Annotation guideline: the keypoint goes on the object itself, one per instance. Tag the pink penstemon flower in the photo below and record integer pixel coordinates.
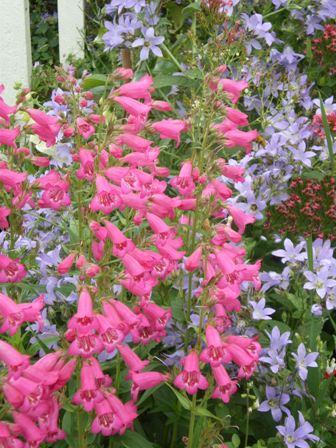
(107, 196)
(170, 129)
(89, 393)
(191, 379)
(11, 271)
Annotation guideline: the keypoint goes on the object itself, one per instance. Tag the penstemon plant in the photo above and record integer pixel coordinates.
(98, 221)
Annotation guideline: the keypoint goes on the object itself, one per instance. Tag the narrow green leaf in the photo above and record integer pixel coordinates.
(186, 404)
(309, 243)
(203, 412)
(327, 133)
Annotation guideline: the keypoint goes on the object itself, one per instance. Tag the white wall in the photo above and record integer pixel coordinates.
(15, 47)
(70, 28)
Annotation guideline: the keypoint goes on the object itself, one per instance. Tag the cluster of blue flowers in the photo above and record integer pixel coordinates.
(133, 26)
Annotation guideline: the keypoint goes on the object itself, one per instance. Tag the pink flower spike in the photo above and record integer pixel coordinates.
(191, 379)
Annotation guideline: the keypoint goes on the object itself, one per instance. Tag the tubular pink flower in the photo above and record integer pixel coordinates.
(84, 321)
(145, 381)
(193, 262)
(131, 359)
(240, 218)
(110, 335)
(121, 244)
(140, 89)
(6, 110)
(232, 88)
(134, 142)
(11, 271)
(225, 386)
(86, 169)
(191, 379)
(236, 137)
(238, 117)
(106, 421)
(107, 197)
(8, 136)
(133, 107)
(66, 264)
(46, 126)
(170, 129)
(31, 432)
(4, 213)
(215, 353)
(11, 179)
(88, 394)
(85, 129)
(158, 315)
(15, 361)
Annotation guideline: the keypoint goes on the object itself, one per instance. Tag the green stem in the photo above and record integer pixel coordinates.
(192, 247)
(247, 426)
(273, 13)
(192, 423)
(310, 253)
(172, 57)
(81, 432)
(175, 427)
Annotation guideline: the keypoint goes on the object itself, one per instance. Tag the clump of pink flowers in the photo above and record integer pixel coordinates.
(138, 229)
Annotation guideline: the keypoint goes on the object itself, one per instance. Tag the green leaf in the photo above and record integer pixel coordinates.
(203, 412)
(94, 81)
(313, 175)
(169, 80)
(148, 393)
(133, 439)
(327, 133)
(235, 441)
(177, 308)
(185, 402)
